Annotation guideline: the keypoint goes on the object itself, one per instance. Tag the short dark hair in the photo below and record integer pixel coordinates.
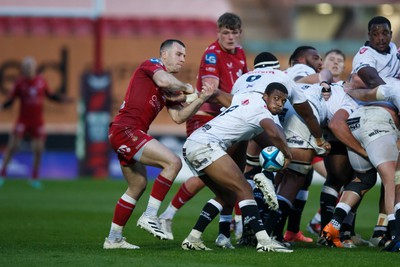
(336, 51)
(275, 86)
(378, 20)
(299, 52)
(168, 43)
(230, 21)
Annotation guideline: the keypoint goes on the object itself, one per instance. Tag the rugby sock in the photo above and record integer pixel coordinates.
(391, 226)
(397, 216)
(115, 234)
(284, 207)
(158, 192)
(275, 215)
(251, 215)
(328, 200)
(181, 197)
(169, 212)
(123, 210)
(259, 198)
(160, 188)
(381, 225)
(225, 224)
(294, 218)
(341, 211)
(35, 174)
(208, 213)
(347, 224)
(122, 213)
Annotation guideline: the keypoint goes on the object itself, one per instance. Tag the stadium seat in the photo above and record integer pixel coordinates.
(38, 26)
(17, 25)
(3, 25)
(59, 26)
(82, 26)
(146, 27)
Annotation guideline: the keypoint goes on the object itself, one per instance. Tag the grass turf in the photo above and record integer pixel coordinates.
(65, 224)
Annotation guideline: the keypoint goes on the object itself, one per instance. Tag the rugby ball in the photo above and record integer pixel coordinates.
(271, 159)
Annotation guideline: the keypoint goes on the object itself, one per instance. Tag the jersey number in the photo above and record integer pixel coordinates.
(252, 78)
(230, 109)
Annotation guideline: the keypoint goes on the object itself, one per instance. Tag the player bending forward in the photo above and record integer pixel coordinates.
(249, 116)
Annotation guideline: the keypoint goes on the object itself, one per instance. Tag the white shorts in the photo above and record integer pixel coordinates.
(299, 136)
(383, 149)
(199, 156)
(369, 123)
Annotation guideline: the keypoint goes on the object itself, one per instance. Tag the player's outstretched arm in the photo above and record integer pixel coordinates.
(363, 94)
(8, 103)
(370, 77)
(180, 114)
(167, 81)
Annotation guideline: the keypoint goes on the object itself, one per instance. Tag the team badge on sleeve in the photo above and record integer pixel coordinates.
(155, 60)
(210, 58)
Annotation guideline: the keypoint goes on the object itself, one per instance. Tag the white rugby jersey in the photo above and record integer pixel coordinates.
(258, 80)
(339, 100)
(386, 64)
(314, 97)
(240, 121)
(299, 70)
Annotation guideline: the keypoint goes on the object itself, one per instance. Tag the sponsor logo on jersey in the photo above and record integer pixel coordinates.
(362, 50)
(210, 58)
(376, 131)
(294, 140)
(245, 102)
(354, 123)
(198, 163)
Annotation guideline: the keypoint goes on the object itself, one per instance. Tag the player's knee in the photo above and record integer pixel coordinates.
(366, 181)
(175, 163)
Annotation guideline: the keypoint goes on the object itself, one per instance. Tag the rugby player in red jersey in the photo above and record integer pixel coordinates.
(31, 90)
(152, 86)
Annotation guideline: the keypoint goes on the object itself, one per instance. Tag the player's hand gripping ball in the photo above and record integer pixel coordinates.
(272, 159)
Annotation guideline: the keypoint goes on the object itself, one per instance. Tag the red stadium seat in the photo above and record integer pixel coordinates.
(38, 26)
(82, 26)
(147, 27)
(17, 25)
(59, 26)
(3, 25)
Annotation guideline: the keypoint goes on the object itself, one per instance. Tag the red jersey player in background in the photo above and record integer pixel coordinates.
(221, 64)
(31, 89)
(152, 86)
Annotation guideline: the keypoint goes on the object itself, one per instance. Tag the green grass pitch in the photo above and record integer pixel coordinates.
(65, 224)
